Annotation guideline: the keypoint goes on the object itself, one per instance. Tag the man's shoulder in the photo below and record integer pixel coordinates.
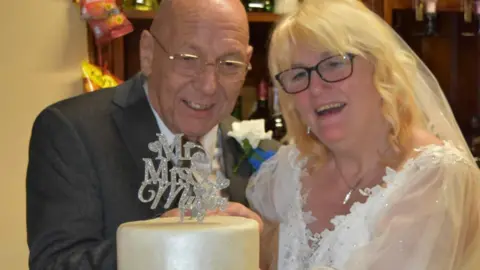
(91, 106)
(81, 108)
(85, 102)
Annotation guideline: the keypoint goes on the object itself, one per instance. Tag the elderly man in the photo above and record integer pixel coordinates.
(86, 166)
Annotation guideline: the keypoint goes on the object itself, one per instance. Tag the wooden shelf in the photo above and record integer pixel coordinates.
(262, 17)
(252, 16)
(139, 15)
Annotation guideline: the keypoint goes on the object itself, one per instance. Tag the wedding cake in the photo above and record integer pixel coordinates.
(217, 243)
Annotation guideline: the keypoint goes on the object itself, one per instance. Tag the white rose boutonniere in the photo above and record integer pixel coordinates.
(249, 134)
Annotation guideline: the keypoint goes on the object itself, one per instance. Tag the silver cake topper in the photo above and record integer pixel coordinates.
(182, 179)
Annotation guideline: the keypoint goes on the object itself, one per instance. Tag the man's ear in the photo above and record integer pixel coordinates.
(147, 48)
(249, 53)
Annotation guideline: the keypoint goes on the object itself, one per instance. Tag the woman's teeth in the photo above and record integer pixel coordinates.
(332, 107)
(197, 106)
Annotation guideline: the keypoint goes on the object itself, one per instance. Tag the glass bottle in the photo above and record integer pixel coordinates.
(141, 5)
(431, 16)
(276, 122)
(262, 110)
(259, 5)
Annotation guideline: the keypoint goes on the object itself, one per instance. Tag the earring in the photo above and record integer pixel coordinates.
(309, 130)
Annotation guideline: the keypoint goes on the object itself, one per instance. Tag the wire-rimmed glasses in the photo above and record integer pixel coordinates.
(229, 67)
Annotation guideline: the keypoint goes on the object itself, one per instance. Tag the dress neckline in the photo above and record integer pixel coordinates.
(314, 240)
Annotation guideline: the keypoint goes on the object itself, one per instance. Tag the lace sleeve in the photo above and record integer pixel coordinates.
(429, 222)
(270, 188)
(269, 192)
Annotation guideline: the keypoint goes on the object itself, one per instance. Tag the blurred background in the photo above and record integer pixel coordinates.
(49, 52)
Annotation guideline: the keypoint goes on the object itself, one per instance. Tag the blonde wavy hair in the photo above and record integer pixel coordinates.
(347, 26)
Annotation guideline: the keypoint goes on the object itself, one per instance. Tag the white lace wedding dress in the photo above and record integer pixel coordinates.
(424, 217)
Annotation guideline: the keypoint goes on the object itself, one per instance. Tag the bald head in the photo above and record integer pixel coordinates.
(171, 13)
(196, 56)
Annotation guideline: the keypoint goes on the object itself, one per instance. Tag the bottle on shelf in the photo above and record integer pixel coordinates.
(418, 4)
(426, 12)
(262, 110)
(275, 122)
(467, 6)
(140, 5)
(258, 5)
(477, 15)
(468, 25)
(431, 15)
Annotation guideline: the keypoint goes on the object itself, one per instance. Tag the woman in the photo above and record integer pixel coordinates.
(379, 177)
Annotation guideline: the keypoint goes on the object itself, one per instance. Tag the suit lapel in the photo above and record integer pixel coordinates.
(135, 122)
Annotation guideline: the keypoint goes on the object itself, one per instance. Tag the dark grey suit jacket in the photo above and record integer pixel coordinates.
(85, 168)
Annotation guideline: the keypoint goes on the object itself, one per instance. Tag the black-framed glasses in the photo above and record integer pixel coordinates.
(332, 69)
(191, 64)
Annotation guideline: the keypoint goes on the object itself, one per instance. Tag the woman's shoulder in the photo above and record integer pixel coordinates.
(289, 155)
(422, 138)
(285, 164)
(284, 152)
(428, 151)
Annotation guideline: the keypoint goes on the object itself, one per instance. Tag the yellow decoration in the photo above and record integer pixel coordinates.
(95, 79)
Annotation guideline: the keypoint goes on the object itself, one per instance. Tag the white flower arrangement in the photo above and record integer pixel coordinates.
(251, 130)
(249, 134)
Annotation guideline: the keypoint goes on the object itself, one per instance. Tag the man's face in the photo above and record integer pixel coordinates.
(196, 89)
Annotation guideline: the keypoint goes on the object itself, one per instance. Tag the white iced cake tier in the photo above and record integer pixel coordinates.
(218, 243)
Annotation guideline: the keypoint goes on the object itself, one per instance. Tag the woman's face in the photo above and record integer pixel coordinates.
(341, 111)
